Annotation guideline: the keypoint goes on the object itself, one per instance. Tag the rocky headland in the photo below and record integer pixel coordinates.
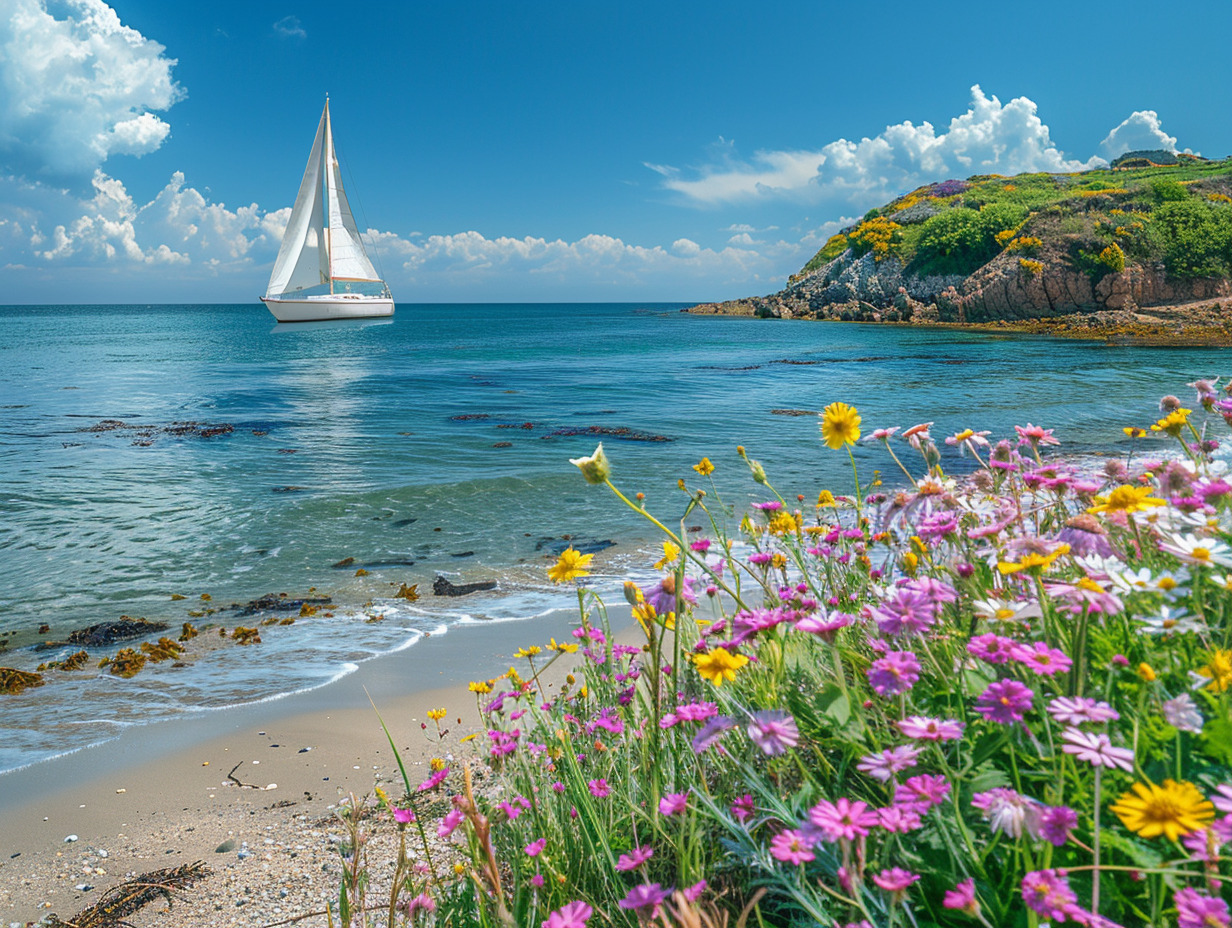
(1130, 254)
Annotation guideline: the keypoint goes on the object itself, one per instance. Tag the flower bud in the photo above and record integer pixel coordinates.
(596, 468)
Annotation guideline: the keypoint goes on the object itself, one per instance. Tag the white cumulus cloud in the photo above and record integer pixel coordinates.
(291, 28)
(74, 91)
(990, 137)
(1142, 131)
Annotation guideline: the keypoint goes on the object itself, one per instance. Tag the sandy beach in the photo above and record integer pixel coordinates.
(160, 795)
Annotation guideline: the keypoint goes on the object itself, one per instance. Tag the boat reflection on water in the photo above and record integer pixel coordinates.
(328, 324)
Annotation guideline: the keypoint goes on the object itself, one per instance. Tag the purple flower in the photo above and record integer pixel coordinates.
(599, 788)
(904, 613)
(1076, 710)
(742, 808)
(774, 732)
(1223, 798)
(1056, 823)
(894, 673)
(895, 880)
(1042, 659)
(635, 858)
(1097, 750)
(994, 649)
(674, 803)
(922, 792)
(693, 893)
(791, 847)
(1005, 701)
(646, 896)
(663, 594)
(923, 728)
(570, 915)
(1195, 910)
(535, 848)
(1047, 892)
(899, 819)
(826, 627)
(842, 819)
(711, 732)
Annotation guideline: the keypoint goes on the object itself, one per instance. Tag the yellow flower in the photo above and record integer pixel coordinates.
(1173, 810)
(704, 467)
(1126, 499)
(784, 523)
(1172, 422)
(670, 554)
(436, 764)
(645, 613)
(527, 652)
(1033, 561)
(1146, 673)
(719, 665)
(840, 425)
(471, 737)
(1134, 432)
(596, 468)
(1219, 670)
(436, 714)
(381, 795)
(553, 645)
(825, 498)
(571, 565)
(480, 686)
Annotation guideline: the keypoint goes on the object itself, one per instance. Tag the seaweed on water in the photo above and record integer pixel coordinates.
(244, 635)
(126, 663)
(14, 681)
(120, 902)
(189, 632)
(409, 593)
(72, 662)
(164, 650)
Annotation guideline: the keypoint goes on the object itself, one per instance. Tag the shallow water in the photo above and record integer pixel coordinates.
(377, 441)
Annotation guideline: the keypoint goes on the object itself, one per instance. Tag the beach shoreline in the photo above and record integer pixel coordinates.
(159, 795)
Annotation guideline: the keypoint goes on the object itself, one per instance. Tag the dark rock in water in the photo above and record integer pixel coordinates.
(555, 546)
(290, 489)
(470, 417)
(384, 565)
(279, 602)
(463, 554)
(794, 412)
(442, 587)
(503, 444)
(105, 633)
(621, 432)
(404, 522)
(345, 562)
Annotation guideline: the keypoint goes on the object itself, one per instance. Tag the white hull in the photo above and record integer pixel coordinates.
(317, 309)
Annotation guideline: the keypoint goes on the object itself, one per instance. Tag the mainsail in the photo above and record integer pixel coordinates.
(321, 249)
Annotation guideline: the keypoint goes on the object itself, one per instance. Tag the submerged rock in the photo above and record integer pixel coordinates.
(106, 633)
(280, 602)
(443, 587)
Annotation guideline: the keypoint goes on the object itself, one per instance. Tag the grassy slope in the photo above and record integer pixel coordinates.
(1179, 215)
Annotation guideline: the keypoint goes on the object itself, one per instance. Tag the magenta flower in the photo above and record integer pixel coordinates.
(1076, 710)
(962, 897)
(994, 649)
(1041, 659)
(647, 896)
(899, 819)
(673, 803)
(922, 792)
(434, 781)
(791, 847)
(1056, 823)
(570, 915)
(535, 848)
(404, 816)
(894, 673)
(1005, 701)
(825, 627)
(421, 903)
(883, 765)
(842, 819)
(711, 732)
(1097, 750)
(895, 880)
(774, 732)
(1047, 892)
(635, 858)
(453, 818)
(742, 808)
(1035, 436)
(923, 728)
(906, 612)
(694, 892)
(599, 788)
(1194, 910)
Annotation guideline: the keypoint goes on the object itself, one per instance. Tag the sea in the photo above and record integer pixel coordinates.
(175, 463)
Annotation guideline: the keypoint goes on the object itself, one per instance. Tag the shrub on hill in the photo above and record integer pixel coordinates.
(959, 241)
(1193, 238)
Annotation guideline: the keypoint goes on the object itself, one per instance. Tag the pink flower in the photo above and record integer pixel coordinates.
(693, 893)
(1075, 710)
(1097, 750)
(899, 819)
(599, 788)
(537, 881)
(434, 781)
(1222, 800)
(825, 627)
(842, 819)
(1195, 910)
(1042, 659)
(895, 880)
(648, 896)
(773, 731)
(421, 903)
(635, 858)
(1056, 823)
(742, 808)
(923, 728)
(404, 816)
(1005, 701)
(791, 847)
(962, 898)
(453, 818)
(1047, 892)
(995, 649)
(883, 765)
(535, 848)
(673, 803)
(1034, 435)
(1008, 811)
(922, 792)
(570, 915)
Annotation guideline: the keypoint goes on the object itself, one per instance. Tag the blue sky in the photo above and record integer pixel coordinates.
(150, 151)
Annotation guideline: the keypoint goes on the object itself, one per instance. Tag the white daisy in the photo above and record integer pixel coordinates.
(1192, 549)
(1182, 713)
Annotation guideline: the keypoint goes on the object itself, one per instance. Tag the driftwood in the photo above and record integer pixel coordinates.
(122, 901)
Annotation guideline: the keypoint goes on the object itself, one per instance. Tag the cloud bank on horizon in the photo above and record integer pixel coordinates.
(78, 90)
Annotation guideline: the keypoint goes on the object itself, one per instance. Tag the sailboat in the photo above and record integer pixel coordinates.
(322, 271)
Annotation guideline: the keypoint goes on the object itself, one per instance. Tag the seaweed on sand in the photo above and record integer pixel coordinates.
(14, 681)
(122, 901)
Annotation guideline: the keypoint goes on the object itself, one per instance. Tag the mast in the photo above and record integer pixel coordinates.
(328, 155)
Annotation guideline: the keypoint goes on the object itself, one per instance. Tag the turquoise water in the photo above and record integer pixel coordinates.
(377, 441)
